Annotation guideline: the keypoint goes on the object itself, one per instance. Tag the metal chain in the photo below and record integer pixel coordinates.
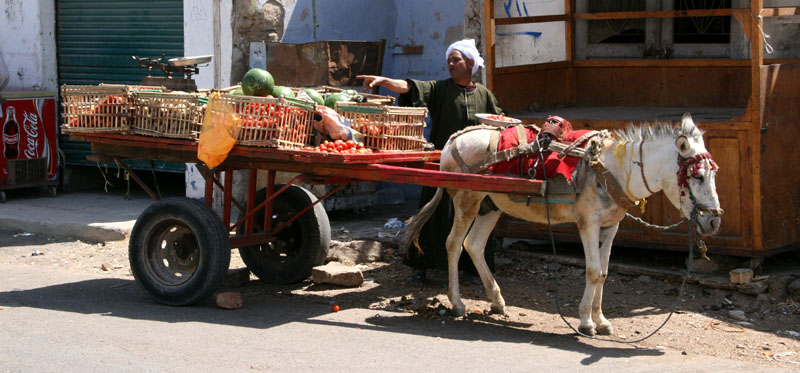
(654, 226)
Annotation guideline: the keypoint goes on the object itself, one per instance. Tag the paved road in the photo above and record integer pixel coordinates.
(57, 321)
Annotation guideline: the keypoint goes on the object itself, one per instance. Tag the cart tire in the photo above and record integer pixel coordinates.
(2, 197)
(179, 251)
(299, 247)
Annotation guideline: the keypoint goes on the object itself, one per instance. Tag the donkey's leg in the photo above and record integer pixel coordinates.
(606, 237)
(590, 233)
(475, 244)
(466, 205)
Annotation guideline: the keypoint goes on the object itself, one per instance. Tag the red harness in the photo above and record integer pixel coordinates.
(524, 166)
(692, 163)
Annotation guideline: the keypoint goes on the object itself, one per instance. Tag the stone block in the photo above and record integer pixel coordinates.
(355, 252)
(338, 274)
(230, 300)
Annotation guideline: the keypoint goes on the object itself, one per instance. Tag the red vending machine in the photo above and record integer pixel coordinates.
(28, 153)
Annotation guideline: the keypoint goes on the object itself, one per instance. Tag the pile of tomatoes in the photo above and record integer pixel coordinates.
(370, 128)
(258, 114)
(339, 147)
(109, 105)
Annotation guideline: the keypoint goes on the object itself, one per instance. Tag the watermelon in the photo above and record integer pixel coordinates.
(314, 95)
(257, 82)
(336, 97)
(280, 91)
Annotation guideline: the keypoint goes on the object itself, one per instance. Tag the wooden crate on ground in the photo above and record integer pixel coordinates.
(98, 108)
(177, 115)
(272, 122)
(387, 128)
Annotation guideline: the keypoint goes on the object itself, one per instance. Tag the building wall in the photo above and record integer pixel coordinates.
(28, 44)
(198, 39)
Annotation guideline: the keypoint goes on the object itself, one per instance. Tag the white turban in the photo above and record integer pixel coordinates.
(468, 49)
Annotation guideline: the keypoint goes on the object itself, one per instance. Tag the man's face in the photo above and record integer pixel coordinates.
(459, 66)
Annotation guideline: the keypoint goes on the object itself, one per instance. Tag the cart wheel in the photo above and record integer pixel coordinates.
(2, 197)
(52, 191)
(299, 247)
(179, 251)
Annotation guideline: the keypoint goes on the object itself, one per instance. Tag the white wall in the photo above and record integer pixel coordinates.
(198, 38)
(28, 44)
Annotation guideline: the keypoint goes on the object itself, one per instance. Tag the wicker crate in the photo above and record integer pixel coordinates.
(387, 128)
(98, 108)
(177, 115)
(272, 122)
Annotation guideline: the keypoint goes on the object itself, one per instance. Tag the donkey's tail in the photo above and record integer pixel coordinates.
(416, 222)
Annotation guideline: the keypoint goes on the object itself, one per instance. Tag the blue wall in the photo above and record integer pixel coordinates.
(432, 24)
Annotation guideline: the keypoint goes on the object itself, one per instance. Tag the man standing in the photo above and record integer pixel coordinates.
(452, 104)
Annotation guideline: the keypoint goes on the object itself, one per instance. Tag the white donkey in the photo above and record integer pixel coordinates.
(641, 160)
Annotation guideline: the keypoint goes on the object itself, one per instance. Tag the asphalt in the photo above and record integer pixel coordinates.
(94, 215)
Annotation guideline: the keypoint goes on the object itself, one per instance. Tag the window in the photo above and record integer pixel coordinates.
(683, 37)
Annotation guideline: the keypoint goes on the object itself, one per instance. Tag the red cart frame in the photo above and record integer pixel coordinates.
(185, 278)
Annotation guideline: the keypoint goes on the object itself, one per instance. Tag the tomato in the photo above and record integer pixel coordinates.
(335, 308)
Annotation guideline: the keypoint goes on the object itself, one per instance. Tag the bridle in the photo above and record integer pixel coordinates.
(688, 167)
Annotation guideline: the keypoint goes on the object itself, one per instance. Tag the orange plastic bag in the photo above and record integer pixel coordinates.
(220, 131)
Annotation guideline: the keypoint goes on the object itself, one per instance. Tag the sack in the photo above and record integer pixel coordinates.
(220, 131)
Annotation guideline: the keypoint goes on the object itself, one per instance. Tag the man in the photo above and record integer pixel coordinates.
(452, 104)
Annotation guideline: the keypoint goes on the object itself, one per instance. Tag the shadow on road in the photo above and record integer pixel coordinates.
(268, 306)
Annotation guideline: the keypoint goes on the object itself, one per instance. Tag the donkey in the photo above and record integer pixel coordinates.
(643, 160)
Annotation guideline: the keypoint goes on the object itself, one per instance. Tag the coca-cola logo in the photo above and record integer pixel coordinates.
(31, 127)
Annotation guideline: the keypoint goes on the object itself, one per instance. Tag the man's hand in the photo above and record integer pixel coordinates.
(372, 81)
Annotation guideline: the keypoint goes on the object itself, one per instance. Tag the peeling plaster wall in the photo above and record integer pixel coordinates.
(28, 44)
(365, 20)
(431, 24)
(261, 21)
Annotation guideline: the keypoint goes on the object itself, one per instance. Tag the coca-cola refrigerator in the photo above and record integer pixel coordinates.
(28, 155)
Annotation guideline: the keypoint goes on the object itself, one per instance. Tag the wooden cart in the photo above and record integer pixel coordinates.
(180, 248)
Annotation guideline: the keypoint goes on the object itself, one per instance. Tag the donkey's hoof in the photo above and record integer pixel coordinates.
(457, 311)
(586, 330)
(498, 310)
(605, 329)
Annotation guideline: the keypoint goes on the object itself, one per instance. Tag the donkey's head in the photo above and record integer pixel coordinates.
(697, 179)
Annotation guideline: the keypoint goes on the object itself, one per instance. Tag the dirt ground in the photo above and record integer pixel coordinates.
(636, 304)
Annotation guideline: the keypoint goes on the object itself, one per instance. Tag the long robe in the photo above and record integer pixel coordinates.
(452, 108)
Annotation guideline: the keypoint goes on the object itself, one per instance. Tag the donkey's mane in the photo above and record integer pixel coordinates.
(655, 131)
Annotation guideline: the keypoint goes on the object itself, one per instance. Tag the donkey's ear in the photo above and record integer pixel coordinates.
(682, 143)
(686, 122)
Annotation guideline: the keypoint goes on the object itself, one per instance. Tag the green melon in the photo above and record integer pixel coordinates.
(314, 95)
(281, 91)
(257, 82)
(238, 92)
(336, 97)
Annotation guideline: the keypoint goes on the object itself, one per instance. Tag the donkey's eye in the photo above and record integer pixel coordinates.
(699, 178)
